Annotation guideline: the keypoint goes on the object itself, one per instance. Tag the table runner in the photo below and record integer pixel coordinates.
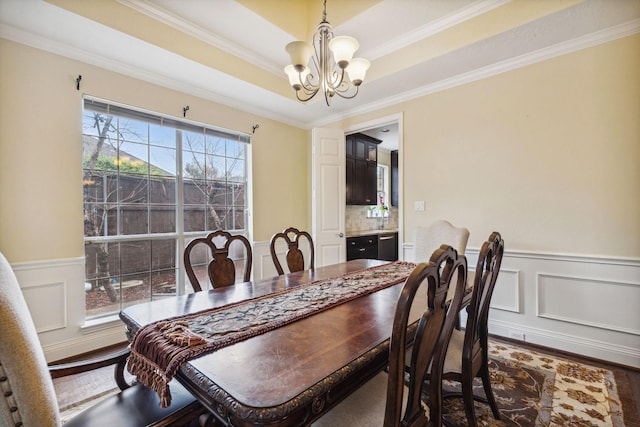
(160, 348)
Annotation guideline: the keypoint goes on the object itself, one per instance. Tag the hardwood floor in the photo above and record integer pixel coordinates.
(76, 389)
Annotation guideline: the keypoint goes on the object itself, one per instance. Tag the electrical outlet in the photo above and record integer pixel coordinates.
(516, 335)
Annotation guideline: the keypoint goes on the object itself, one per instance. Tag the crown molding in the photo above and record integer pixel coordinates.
(189, 28)
(464, 14)
(587, 41)
(590, 40)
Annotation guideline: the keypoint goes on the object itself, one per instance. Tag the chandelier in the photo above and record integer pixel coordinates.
(332, 75)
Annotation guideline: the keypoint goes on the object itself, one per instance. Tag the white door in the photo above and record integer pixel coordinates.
(328, 195)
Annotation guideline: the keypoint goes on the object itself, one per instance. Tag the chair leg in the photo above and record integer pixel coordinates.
(467, 396)
(488, 391)
(435, 402)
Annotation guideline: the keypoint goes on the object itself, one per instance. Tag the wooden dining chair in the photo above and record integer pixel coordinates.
(222, 268)
(387, 399)
(294, 257)
(467, 355)
(28, 396)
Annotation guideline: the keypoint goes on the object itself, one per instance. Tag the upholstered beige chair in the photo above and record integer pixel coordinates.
(386, 400)
(441, 232)
(28, 396)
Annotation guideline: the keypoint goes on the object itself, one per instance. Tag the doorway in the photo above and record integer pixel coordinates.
(386, 213)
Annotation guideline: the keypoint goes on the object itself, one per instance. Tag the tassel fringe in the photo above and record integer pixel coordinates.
(156, 354)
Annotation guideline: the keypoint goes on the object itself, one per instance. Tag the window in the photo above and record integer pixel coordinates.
(150, 183)
(383, 186)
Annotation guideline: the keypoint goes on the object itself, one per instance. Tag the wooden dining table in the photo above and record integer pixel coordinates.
(290, 375)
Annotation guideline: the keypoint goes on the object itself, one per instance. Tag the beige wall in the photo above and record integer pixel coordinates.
(40, 151)
(548, 154)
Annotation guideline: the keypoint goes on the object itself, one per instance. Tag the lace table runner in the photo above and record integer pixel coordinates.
(160, 348)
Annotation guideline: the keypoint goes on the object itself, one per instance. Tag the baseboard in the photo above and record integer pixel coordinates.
(555, 351)
(85, 343)
(605, 352)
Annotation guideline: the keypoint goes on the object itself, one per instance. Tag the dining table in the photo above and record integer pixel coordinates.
(289, 365)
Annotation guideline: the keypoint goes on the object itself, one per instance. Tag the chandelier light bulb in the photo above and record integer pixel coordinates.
(357, 70)
(343, 48)
(299, 52)
(294, 79)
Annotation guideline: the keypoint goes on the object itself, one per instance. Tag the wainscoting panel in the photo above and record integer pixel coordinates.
(41, 298)
(54, 291)
(506, 295)
(605, 304)
(581, 304)
(262, 262)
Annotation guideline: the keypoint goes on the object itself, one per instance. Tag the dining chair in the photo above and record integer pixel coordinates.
(388, 399)
(440, 232)
(294, 256)
(28, 394)
(222, 268)
(467, 354)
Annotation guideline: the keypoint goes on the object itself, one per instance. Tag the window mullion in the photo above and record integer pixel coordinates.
(180, 243)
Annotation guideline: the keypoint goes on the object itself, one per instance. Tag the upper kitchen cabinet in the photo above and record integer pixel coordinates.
(362, 169)
(394, 178)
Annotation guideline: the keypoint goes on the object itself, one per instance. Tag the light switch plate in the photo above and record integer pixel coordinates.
(420, 206)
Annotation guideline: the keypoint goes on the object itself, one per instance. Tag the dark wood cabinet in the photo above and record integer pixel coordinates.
(394, 178)
(363, 247)
(382, 246)
(362, 169)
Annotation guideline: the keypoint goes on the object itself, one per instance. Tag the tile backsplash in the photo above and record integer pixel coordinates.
(356, 219)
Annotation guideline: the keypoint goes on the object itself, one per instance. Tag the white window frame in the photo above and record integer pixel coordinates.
(179, 235)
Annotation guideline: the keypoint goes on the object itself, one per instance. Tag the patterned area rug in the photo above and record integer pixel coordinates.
(532, 389)
(535, 389)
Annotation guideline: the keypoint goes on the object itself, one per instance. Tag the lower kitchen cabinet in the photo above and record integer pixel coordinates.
(373, 246)
(363, 247)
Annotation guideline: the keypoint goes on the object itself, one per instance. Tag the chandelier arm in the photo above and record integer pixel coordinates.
(336, 81)
(308, 95)
(341, 94)
(307, 84)
(309, 90)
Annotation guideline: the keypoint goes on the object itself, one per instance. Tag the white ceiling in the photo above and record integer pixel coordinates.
(416, 46)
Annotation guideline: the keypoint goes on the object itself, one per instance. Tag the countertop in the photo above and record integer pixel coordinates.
(358, 233)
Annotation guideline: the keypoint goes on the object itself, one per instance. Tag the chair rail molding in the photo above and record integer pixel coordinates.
(535, 299)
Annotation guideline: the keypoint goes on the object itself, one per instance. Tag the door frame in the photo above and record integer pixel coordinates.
(380, 122)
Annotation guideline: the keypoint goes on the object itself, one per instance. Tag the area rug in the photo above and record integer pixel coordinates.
(536, 389)
(532, 388)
